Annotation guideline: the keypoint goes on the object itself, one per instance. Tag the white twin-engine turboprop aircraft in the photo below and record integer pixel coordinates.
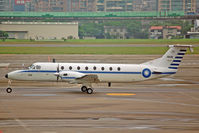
(87, 74)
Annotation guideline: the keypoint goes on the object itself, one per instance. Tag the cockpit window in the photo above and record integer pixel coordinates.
(32, 67)
(38, 67)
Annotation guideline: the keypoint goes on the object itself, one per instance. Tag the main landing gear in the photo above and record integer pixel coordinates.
(9, 90)
(87, 90)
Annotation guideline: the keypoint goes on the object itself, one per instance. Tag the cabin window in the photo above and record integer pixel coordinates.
(94, 68)
(110, 68)
(78, 68)
(62, 67)
(118, 68)
(102, 68)
(70, 68)
(86, 68)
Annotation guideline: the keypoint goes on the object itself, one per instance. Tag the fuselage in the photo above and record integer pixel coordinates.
(105, 72)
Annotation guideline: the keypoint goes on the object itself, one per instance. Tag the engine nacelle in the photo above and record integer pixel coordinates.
(70, 75)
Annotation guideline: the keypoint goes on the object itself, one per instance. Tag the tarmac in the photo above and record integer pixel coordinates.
(167, 105)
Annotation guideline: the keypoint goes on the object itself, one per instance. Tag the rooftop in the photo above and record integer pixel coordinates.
(56, 23)
(167, 27)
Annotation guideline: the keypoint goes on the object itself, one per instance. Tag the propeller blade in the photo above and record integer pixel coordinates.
(58, 72)
(58, 68)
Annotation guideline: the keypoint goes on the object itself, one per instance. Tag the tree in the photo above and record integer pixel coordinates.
(91, 30)
(3, 35)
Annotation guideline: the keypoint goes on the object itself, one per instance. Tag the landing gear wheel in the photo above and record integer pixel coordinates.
(8, 90)
(84, 89)
(89, 91)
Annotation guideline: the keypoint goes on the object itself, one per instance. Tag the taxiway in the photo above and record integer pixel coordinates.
(158, 106)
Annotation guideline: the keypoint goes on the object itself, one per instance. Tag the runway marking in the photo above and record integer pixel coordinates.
(22, 124)
(39, 95)
(48, 132)
(174, 103)
(187, 95)
(120, 94)
(4, 64)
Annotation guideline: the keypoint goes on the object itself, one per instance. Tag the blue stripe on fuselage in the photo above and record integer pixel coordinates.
(68, 78)
(92, 72)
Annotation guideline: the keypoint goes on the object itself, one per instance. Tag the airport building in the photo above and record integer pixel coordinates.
(116, 32)
(40, 30)
(164, 32)
(194, 33)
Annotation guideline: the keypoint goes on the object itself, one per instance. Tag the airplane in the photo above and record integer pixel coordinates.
(87, 74)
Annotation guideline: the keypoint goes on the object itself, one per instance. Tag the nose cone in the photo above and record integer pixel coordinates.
(6, 76)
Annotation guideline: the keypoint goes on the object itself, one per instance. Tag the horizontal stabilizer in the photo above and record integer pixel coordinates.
(183, 46)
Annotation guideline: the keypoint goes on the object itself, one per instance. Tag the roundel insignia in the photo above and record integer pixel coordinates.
(146, 73)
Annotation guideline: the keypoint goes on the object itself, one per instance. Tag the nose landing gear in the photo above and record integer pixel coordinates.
(9, 90)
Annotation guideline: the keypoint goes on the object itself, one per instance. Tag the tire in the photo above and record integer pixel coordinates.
(89, 91)
(84, 89)
(9, 90)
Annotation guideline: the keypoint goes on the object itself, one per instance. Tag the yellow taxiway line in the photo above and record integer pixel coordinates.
(120, 94)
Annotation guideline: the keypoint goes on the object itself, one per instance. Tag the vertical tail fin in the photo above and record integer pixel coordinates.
(172, 58)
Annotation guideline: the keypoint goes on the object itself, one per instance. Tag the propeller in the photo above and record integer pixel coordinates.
(57, 73)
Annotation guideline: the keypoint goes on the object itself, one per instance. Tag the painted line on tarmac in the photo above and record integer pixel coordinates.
(22, 124)
(120, 94)
(39, 95)
(162, 102)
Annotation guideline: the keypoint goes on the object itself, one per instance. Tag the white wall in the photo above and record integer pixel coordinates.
(43, 30)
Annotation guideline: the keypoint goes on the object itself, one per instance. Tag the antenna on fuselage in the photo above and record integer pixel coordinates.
(54, 60)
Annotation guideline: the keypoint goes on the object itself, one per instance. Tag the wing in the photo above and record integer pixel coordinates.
(88, 79)
(77, 77)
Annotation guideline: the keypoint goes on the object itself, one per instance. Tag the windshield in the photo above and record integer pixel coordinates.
(31, 67)
(34, 67)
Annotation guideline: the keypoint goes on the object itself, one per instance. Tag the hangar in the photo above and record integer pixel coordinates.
(40, 30)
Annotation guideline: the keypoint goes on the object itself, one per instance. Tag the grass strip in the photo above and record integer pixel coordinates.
(87, 50)
(105, 41)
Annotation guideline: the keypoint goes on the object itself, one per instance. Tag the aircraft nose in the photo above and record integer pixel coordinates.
(6, 76)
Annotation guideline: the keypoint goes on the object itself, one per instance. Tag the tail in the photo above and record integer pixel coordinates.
(172, 58)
